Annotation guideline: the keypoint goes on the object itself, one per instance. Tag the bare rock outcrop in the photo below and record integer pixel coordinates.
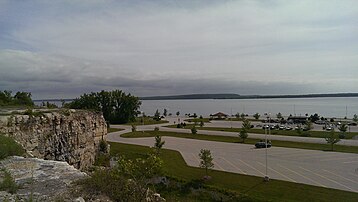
(41, 180)
(73, 136)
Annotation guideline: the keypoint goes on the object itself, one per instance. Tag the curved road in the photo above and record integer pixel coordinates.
(326, 169)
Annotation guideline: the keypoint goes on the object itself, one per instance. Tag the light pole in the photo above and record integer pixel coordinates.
(266, 178)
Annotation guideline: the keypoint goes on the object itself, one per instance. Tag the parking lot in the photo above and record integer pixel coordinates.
(319, 168)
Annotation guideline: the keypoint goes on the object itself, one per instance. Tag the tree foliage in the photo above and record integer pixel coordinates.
(117, 107)
(257, 116)
(158, 144)
(206, 160)
(19, 99)
(246, 126)
(332, 139)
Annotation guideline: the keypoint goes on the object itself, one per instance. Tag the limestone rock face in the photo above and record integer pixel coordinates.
(71, 136)
(45, 180)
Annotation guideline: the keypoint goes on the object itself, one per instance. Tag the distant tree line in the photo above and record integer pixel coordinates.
(19, 99)
(117, 107)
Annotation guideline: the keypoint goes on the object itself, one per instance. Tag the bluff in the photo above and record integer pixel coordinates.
(73, 136)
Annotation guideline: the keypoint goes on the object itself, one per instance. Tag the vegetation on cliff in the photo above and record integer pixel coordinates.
(117, 106)
(19, 99)
(8, 147)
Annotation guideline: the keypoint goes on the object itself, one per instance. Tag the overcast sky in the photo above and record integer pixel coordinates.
(61, 49)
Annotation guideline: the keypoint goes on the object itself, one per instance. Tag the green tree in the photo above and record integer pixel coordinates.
(156, 115)
(206, 160)
(279, 115)
(165, 111)
(178, 113)
(257, 116)
(117, 107)
(332, 138)
(194, 131)
(343, 129)
(242, 115)
(246, 126)
(237, 115)
(355, 118)
(158, 144)
(201, 123)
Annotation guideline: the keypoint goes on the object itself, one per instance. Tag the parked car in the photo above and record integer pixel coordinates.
(262, 144)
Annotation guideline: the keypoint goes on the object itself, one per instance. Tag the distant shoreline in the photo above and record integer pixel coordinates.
(224, 96)
(236, 96)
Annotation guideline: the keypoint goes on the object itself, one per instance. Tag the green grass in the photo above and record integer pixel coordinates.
(8, 147)
(147, 121)
(254, 187)
(219, 138)
(319, 134)
(111, 130)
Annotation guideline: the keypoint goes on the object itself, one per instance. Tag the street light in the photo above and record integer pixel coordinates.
(267, 178)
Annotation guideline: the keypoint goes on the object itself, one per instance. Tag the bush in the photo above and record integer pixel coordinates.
(342, 136)
(179, 125)
(103, 146)
(8, 147)
(194, 130)
(156, 129)
(8, 183)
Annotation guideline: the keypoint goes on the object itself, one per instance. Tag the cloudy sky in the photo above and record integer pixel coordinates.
(61, 49)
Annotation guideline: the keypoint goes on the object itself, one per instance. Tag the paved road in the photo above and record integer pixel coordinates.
(325, 169)
(235, 134)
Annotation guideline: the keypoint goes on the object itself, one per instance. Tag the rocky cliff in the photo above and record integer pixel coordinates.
(63, 135)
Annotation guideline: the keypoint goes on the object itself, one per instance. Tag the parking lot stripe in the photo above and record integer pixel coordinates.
(216, 164)
(303, 176)
(241, 171)
(351, 162)
(195, 157)
(251, 167)
(278, 173)
(342, 158)
(340, 176)
(329, 179)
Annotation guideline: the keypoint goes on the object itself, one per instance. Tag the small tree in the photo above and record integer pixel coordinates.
(195, 115)
(355, 118)
(134, 128)
(157, 116)
(246, 126)
(237, 115)
(201, 123)
(206, 160)
(343, 129)
(332, 139)
(243, 135)
(257, 116)
(165, 112)
(156, 129)
(178, 113)
(194, 130)
(242, 115)
(279, 115)
(158, 144)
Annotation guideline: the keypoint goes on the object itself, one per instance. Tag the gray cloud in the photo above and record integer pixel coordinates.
(174, 47)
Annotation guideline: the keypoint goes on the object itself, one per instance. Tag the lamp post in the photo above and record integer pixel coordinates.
(266, 178)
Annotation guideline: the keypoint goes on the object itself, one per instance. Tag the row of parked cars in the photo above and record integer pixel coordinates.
(273, 127)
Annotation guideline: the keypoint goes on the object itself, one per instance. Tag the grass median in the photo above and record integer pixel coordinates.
(319, 134)
(219, 138)
(147, 121)
(254, 187)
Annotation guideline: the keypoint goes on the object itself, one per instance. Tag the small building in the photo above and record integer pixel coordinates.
(218, 115)
(297, 119)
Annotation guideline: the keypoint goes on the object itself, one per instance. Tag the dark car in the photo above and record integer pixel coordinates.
(262, 144)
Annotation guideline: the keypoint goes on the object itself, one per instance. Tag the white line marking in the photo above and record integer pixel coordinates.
(341, 176)
(241, 171)
(195, 158)
(251, 167)
(216, 164)
(278, 173)
(303, 176)
(329, 179)
(351, 162)
(342, 158)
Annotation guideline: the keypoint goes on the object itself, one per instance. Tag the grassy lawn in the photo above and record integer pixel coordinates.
(147, 121)
(111, 130)
(254, 187)
(205, 120)
(319, 134)
(219, 138)
(8, 147)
